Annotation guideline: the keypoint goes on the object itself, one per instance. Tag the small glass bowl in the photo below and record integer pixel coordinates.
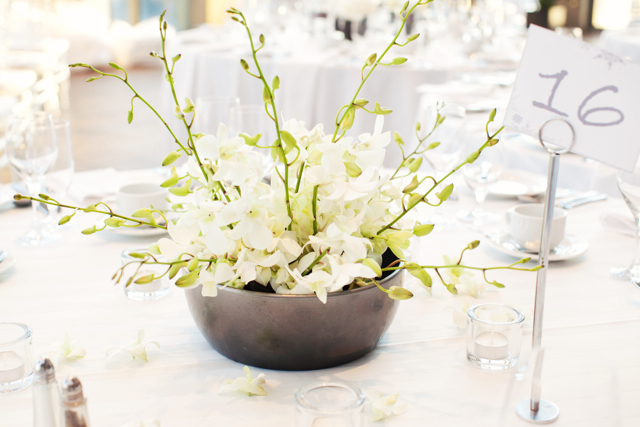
(150, 291)
(329, 404)
(16, 358)
(494, 336)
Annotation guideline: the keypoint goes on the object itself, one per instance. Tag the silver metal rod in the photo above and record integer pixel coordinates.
(541, 279)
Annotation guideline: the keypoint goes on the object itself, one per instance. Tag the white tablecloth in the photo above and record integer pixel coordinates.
(66, 287)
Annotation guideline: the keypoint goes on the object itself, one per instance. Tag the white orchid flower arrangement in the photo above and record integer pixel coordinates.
(323, 222)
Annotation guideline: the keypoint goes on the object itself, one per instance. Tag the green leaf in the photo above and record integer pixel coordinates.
(115, 66)
(172, 180)
(412, 185)
(276, 83)
(171, 157)
(129, 116)
(371, 59)
(289, 141)
(445, 193)
(144, 213)
(415, 165)
(144, 279)
(181, 191)
(397, 138)
(251, 140)
(419, 273)
(353, 170)
(398, 293)
(373, 266)
(381, 111)
(421, 230)
(399, 61)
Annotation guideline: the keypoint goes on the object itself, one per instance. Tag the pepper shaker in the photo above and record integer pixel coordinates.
(74, 411)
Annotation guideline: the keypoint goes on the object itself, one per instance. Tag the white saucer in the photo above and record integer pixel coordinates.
(514, 183)
(8, 262)
(142, 231)
(570, 247)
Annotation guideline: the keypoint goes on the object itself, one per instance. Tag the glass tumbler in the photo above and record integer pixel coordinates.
(329, 404)
(16, 359)
(150, 291)
(494, 336)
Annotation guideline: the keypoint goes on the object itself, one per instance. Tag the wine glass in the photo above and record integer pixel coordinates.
(213, 110)
(629, 185)
(480, 176)
(58, 180)
(32, 149)
(251, 119)
(443, 158)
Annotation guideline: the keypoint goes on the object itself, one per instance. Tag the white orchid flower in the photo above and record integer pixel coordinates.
(136, 348)
(385, 406)
(184, 240)
(470, 285)
(460, 313)
(247, 384)
(67, 349)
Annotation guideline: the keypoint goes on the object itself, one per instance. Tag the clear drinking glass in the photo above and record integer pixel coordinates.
(32, 149)
(16, 358)
(213, 110)
(150, 291)
(329, 404)
(494, 336)
(480, 176)
(58, 180)
(249, 119)
(450, 135)
(629, 185)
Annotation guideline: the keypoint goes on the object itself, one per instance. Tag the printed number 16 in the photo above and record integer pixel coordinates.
(581, 115)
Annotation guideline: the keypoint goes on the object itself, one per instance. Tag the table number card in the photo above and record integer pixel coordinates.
(596, 91)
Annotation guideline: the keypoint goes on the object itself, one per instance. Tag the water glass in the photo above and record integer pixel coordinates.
(494, 336)
(480, 176)
(32, 149)
(16, 358)
(629, 185)
(150, 291)
(329, 404)
(58, 180)
(211, 111)
(450, 135)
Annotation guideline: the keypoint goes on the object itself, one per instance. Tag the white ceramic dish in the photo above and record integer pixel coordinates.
(514, 183)
(569, 248)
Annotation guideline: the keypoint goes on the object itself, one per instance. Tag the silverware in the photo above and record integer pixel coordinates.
(3, 254)
(570, 205)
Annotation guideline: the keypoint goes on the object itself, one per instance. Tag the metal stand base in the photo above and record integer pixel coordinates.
(546, 414)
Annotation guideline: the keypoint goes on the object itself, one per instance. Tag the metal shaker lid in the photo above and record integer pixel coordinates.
(72, 390)
(44, 371)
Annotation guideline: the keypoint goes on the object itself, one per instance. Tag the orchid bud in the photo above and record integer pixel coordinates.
(381, 111)
(353, 170)
(415, 165)
(445, 193)
(176, 58)
(144, 279)
(190, 107)
(129, 116)
(244, 64)
(493, 142)
(276, 83)
(172, 180)
(251, 140)
(471, 246)
(421, 230)
(397, 138)
(398, 293)
(192, 264)
(371, 59)
(374, 266)
(399, 61)
(171, 157)
(492, 115)
(473, 157)
(154, 249)
(178, 113)
(411, 186)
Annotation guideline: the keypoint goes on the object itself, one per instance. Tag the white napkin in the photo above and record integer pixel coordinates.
(95, 185)
(618, 223)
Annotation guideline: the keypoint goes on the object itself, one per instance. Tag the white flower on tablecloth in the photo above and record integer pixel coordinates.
(385, 406)
(136, 348)
(471, 286)
(66, 349)
(247, 384)
(460, 313)
(143, 423)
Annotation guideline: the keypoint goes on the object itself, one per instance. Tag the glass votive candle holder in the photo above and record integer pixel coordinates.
(149, 291)
(329, 404)
(494, 336)
(16, 359)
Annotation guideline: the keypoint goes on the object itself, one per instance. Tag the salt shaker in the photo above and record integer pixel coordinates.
(46, 397)
(74, 411)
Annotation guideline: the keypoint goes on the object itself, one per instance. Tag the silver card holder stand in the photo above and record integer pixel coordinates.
(535, 409)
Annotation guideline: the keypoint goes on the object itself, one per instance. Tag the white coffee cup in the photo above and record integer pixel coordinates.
(132, 197)
(525, 223)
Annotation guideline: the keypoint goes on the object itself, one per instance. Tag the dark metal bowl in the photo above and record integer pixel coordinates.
(294, 332)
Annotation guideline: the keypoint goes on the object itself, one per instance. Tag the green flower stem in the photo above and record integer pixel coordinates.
(274, 118)
(485, 145)
(315, 261)
(375, 65)
(433, 267)
(315, 208)
(379, 287)
(87, 210)
(299, 177)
